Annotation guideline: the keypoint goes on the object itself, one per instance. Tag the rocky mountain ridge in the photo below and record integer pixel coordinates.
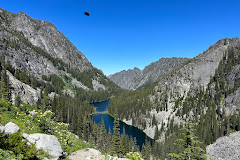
(162, 100)
(39, 49)
(136, 78)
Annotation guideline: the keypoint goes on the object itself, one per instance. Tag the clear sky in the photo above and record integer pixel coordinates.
(123, 34)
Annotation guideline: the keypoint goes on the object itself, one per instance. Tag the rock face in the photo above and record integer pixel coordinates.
(49, 143)
(136, 78)
(11, 128)
(46, 36)
(26, 93)
(90, 153)
(225, 148)
(37, 48)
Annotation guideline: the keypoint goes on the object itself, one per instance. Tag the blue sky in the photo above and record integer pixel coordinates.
(123, 34)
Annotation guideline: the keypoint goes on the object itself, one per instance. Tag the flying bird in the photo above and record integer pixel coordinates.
(87, 13)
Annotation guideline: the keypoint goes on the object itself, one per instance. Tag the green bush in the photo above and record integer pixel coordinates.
(42, 154)
(7, 155)
(134, 156)
(5, 106)
(16, 144)
(1, 118)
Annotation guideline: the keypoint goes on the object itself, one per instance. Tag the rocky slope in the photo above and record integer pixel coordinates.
(136, 78)
(164, 99)
(225, 148)
(39, 49)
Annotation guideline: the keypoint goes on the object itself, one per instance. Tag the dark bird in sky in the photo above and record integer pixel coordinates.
(87, 13)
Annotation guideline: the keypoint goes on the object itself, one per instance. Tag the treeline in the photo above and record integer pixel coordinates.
(76, 111)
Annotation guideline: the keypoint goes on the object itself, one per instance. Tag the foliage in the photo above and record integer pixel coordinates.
(9, 155)
(41, 154)
(116, 142)
(134, 156)
(19, 147)
(190, 143)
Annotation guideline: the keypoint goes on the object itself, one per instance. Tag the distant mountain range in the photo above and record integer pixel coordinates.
(133, 79)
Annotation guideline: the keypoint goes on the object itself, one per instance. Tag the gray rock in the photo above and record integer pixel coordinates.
(25, 135)
(49, 143)
(1, 128)
(136, 78)
(227, 147)
(26, 93)
(90, 153)
(11, 128)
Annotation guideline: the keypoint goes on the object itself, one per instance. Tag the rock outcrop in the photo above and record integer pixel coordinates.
(26, 93)
(10, 128)
(227, 147)
(136, 78)
(90, 153)
(49, 143)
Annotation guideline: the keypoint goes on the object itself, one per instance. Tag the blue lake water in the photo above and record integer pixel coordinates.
(131, 131)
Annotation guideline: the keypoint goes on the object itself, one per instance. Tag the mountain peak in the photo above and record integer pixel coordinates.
(135, 78)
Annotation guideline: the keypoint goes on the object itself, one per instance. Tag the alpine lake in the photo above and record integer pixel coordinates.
(131, 131)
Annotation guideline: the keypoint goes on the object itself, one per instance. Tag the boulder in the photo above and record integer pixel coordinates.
(1, 128)
(11, 128)
(227, 147)
(49, 143)
(25, 135)
(85, 154)
(91, 154)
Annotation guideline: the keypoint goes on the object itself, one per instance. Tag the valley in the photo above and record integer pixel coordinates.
(170, 100)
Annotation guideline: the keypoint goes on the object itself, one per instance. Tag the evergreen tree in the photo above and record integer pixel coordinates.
(116, 136)
(109, 140)
(146, 150)
(123, 144)
(4, 85)
(190, 145)
(102, 136)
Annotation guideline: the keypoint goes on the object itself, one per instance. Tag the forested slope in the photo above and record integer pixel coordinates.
(36, 48)
(204, 90)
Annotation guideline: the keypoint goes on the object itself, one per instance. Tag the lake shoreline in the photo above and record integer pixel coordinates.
(130, 130)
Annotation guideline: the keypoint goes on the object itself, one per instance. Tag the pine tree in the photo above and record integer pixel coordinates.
(123, 144)
(156, 135)
(190, 144)
(146, 150)
(116, 136)
(94, 133)
(109, 140)
(102, 136)
(4, 85)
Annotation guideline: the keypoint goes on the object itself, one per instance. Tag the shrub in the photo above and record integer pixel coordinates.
(1, 118)
(16, 144)
(134, 156)
(7, 155)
